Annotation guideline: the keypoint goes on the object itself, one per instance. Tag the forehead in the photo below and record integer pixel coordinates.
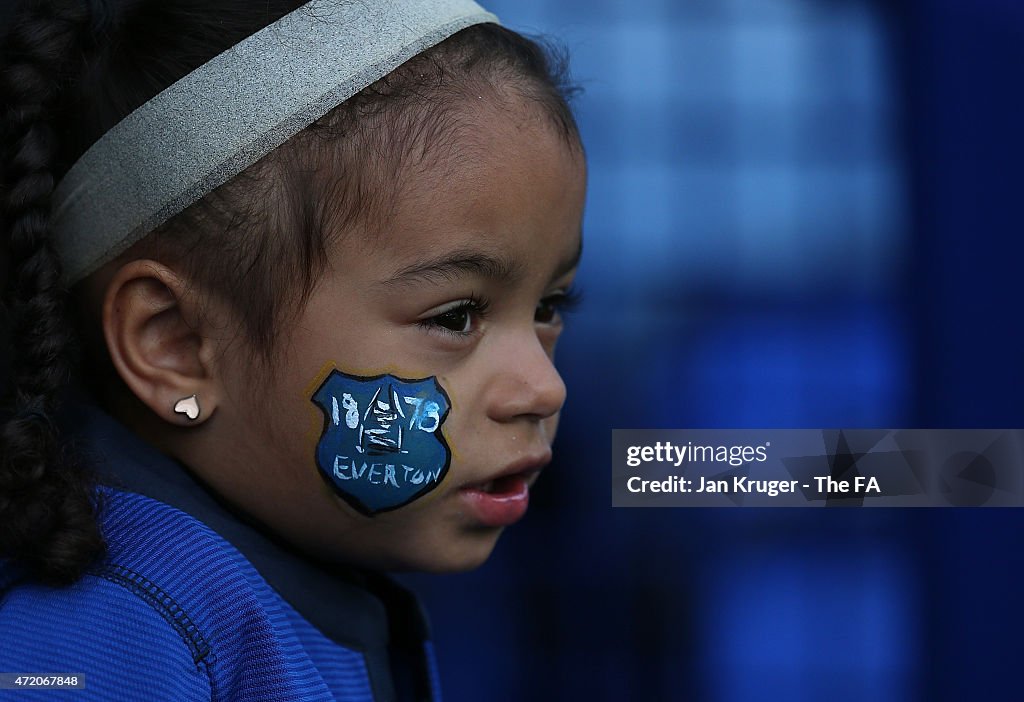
(506, 184)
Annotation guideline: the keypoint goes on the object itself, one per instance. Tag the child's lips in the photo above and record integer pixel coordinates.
(498, 503)
(503, 499)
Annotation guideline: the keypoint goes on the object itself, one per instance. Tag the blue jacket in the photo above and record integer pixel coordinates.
(192, 602)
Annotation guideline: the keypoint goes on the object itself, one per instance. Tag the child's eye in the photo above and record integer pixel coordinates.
(458, 318)
(551, 308)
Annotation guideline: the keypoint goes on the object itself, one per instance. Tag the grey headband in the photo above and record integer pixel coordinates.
(233, 110)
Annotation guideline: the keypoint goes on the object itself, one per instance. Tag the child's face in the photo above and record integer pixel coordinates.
(460, 286)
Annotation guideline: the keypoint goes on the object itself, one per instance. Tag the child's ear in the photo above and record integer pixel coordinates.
(157, 336)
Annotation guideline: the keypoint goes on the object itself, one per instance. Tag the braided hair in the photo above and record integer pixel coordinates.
(70, 71)
(46, 515)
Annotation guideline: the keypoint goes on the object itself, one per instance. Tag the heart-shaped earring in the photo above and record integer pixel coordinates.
(188, 406)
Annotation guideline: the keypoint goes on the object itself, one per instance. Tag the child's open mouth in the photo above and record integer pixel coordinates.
(501, 501)
(503, 486)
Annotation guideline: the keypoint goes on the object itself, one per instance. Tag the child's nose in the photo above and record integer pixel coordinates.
(528, 384)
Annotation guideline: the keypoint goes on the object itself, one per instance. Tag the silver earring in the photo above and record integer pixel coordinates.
(188, 406)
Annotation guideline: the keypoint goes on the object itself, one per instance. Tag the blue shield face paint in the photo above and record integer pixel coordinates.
(382, 445)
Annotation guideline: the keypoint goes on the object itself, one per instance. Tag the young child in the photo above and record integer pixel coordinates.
(317, 257)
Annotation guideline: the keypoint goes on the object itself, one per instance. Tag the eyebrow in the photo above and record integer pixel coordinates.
(453, 264)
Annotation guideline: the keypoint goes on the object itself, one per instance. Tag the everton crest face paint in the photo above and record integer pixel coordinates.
(382, 445)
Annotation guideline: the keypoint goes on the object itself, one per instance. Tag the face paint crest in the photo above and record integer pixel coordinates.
(382, 446)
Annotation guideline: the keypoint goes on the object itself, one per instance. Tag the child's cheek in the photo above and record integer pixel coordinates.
(381, 445)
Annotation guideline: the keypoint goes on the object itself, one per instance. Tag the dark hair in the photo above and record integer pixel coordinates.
(71, 70)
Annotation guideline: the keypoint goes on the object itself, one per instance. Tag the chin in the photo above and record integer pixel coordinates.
(459, 554)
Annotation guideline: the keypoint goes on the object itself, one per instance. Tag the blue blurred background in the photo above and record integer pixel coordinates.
(801, 214)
